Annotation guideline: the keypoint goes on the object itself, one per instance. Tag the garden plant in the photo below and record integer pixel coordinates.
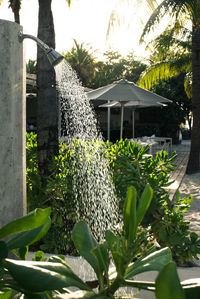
(52, 279)
(163, 221)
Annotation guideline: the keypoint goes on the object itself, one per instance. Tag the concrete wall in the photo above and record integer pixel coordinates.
(12, 124)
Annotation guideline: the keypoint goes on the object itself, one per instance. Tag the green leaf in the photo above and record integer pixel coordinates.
(85, 243)
(130, 226)
(101, 253)
(29, 237)
(65, 269)
(32, 220)
(153, 262)
(6, 295)
(112, 241)
(168, 284)
(23, 251)
(3, 250)
(43, 276)
(143, 285)
(191, 288)
(144, 203)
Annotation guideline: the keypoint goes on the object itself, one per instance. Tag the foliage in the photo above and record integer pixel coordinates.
(187, 10)
(116, 67)
(51, 279)
(129, 167)
(83, 63)
(57, 194)
(172, 231)
(176, 113)
(168, 74)
(18, 235)
(132, 168)
(42, 278)
(31, 67)
(94, 73)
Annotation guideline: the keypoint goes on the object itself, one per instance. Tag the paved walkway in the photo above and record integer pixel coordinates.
(181, 161)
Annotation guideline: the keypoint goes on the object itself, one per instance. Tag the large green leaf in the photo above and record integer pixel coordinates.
(114, 246)
(130, 214)
(32, 220)
(85, 244)
(29, 237)
(191, 288)
(43, 276)
(144, 203)
(66, 270)
(143, 285)
(153, 262)
(101, 253)
(168, 284)
(3, 250)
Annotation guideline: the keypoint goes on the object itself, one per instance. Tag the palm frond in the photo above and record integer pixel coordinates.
(188, 85)
(15, 5)
(119, 16)
(164, 71)
(68, 2)
(166, 7)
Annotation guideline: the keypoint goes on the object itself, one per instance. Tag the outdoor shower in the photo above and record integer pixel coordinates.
(13, 118)
(53, 56)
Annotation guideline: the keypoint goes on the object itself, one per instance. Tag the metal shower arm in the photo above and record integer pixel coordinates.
(53, 56)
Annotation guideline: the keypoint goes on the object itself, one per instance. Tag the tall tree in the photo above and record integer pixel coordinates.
(47, 110)
(82, 60)
(187, 9)
(15, 5)
(170, 58)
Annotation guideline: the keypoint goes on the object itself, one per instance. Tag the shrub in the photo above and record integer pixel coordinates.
(71, 193)
(132, 168)
(172, 231)
(53, 278)
(129, 167)
(57, 195)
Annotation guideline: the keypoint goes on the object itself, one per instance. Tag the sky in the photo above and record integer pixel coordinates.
(87, 22)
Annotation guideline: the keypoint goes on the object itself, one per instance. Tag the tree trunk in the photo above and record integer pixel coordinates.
(194, 158)
(17, 17)
(47, 108)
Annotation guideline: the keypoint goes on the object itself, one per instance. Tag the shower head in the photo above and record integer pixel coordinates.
(53, 56)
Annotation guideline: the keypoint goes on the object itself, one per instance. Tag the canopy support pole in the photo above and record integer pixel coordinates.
(108, 124)
(122, 120)
(133, 122)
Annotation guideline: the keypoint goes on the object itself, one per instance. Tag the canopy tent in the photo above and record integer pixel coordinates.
(123, 94)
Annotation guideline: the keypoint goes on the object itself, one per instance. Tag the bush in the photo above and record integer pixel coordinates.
(129, 167)
(54, 278)
(57, 194)
(74, 191)
(132, 168)
(172, 231)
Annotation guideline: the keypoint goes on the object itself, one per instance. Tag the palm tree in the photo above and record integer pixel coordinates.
(15, 5)
(171, 57)
(187, 9)
(47, 109)
(83, 62)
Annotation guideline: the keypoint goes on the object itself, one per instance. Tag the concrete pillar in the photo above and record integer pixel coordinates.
(12, 124)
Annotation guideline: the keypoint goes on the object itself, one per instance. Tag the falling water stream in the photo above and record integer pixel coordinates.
(94, 192)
